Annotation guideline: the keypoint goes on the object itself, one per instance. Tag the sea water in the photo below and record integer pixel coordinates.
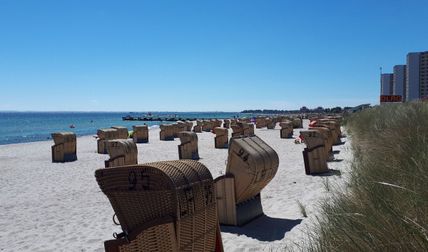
(20, 127)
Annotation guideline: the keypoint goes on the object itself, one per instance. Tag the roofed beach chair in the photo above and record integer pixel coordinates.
(103, 136)
(297, 123)
(166, 132)
(207, 125)
(217, 123)
(286, 129)
(243, 129)
(140, 133)
(328, 140)
(226, 123)
(270, 123)
(221, 140)
(198, 127)
(162, 206)
(122, 152)
(122, 132)
(334, 125)
(251, 165)
(179, 127)
(260, 122)
(314, 156)
(188, 149)
(189, 125)
(64, 148)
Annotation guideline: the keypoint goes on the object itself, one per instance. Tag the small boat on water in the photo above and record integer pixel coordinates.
(72, 126)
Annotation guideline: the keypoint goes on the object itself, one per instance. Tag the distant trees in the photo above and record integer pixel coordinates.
(303, 109)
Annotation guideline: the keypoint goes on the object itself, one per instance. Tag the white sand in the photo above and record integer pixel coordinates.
(48, 206)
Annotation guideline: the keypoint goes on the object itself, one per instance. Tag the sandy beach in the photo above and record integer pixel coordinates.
(47, 206)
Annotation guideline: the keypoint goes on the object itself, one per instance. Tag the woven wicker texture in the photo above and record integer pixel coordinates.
(221, 139)
(312, 138)
(188, 149)
(166, 132)
(122, 152)
(107, 134)
(122, 132)
(286, 129)
(226, 123)
(253, 164)
(64, 148)
(207, 125)
(140, 133)
(147, 240)
(180, 189)
(297, 123)
(189, 125)
(314, 155)
(67, 139)
(270, 123)
(260, 122)
(328, 138)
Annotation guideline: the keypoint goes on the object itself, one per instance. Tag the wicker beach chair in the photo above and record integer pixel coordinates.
(104, 135)
(251, 165)
(122, 132)
(260, 122)
(198, 127)
(334, 125)
(64, 148)
(270, 123)
(179, 127)
(188, 149)
(216, 123)
(297, 123)
(122, 152)
(286, 129)
(314, 156)
(189, 125)
(162, 206)
(226, 123)
(243, 129)
(166, 132)
(221, 140)
(207, 125)
(327, 134)
(140, 133)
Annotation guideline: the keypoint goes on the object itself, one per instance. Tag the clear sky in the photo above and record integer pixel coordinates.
(201, 55)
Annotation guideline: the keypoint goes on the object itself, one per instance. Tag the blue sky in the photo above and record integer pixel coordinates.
(201, 55)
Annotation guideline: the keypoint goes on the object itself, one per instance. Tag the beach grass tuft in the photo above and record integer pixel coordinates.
(385, 206)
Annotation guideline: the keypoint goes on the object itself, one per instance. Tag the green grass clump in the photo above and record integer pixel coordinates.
(385, 207)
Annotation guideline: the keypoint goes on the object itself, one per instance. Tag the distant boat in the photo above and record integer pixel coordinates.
(72, 126)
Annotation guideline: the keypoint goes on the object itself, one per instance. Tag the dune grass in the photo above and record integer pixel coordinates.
(385, 207)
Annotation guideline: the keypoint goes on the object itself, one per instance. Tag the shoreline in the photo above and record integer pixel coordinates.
(46, 206)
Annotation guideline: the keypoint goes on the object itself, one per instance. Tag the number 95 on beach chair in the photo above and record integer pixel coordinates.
(162, 206)
(251, 165)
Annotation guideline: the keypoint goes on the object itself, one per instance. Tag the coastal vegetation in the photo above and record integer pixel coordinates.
(385, 205)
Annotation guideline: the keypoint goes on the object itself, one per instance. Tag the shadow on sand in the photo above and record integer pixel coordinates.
(264, 228)
(341, 143)
(331, 172)
(335, 160)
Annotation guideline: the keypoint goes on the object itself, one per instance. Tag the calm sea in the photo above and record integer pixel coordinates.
(20, 127)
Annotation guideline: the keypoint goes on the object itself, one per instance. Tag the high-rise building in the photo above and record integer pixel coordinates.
(386, 85)
(408, 82)
(423, 75)
(399, 81)
(412, 76)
